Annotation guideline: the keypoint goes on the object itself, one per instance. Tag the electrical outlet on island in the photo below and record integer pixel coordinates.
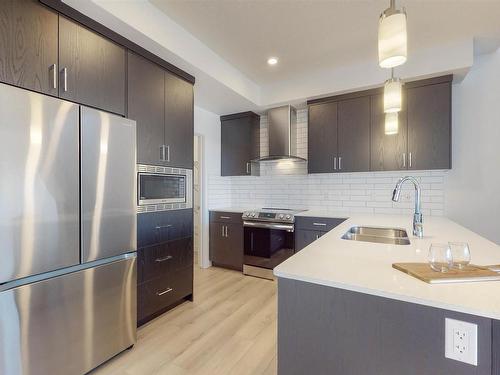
(461, 341)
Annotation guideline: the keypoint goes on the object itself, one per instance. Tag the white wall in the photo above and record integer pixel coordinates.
(473, 185)
(207, 124)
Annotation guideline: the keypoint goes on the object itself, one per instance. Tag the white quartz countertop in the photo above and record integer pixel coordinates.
(367, 267)
(324, 213)
(231, 209)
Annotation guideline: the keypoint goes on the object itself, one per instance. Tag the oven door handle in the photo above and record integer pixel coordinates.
(257, 224)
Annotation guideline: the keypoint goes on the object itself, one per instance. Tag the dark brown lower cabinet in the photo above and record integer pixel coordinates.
(308, 229)
(165, 277)
(304, 238)
(226, 245)
(226, 240)
(330, 331)
(158, 260)
(156, 296)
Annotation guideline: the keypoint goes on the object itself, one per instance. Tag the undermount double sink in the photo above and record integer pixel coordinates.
(392, 236)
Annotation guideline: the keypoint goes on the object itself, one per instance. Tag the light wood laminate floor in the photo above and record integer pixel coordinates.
(230, 328)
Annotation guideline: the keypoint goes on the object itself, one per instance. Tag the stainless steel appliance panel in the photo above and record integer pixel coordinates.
(108, 180)
(39, 193)
(166, 188)
(71, 323)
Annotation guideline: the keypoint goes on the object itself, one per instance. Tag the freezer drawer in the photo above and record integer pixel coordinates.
(39, 189)
(71, 323)
(108, 178)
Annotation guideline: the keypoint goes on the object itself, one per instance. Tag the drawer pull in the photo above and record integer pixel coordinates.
(225, 217)
(164, 292)
(159, 260)
(163, 226)
(320, 224)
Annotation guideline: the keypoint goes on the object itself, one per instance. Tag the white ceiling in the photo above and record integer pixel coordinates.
(325, 47)
(311, 36)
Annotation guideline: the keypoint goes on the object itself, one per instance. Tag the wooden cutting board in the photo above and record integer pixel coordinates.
(471, 273)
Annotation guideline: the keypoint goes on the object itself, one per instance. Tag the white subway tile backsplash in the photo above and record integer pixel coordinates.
(288, 185)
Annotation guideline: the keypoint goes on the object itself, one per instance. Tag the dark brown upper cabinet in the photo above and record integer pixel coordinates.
(28, 45)
(388, 152)
(178, 122)
(429, 126)
(423, 140)
(354, 135)
(162, 105)
(146, 102)
(240, 143)
(91, 68)
(322, 137)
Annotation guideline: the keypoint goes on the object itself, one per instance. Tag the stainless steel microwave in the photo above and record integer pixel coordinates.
(167, 187)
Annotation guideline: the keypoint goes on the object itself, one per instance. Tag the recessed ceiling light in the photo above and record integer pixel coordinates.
(272, 61)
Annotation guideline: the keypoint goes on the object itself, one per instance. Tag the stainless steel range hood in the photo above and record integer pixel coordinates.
(282, 131)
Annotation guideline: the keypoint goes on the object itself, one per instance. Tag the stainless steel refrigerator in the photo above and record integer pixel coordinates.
(67, 235)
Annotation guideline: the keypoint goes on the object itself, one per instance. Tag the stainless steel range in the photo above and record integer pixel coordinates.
(268, 239)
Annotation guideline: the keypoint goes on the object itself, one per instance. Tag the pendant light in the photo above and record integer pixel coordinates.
(392, 37)
(391, 123)
(393, 88)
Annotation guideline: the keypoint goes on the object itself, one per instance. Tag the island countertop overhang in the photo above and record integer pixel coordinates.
(367, 267)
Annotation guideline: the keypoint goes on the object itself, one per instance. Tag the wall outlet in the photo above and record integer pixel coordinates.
(461, 341)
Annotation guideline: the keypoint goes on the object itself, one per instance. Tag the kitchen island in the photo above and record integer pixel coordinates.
(344, 310)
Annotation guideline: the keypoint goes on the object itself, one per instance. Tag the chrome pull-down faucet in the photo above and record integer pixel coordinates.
(418, 226)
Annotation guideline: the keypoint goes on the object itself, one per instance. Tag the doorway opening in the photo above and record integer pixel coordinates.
(197, 199)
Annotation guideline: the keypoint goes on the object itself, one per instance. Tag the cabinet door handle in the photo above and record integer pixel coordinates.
(320, 224)
(409, 159)
(53, 68)
(340, 162)
(404, 159)
(222, 231)
(225, 217)
(168, 153)
(334, 163)
(159, 260)
(317, 236)
(162, 226)
(164, 292)
(248, 168)
(162, 153)
(65, 79)
(226, 231)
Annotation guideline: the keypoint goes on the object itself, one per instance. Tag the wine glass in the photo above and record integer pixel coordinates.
(440, 257)
(461, 254)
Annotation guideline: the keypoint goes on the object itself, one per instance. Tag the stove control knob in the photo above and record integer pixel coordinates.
(288, 217)
(245, 214)
(281, 216)
(253, 214)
